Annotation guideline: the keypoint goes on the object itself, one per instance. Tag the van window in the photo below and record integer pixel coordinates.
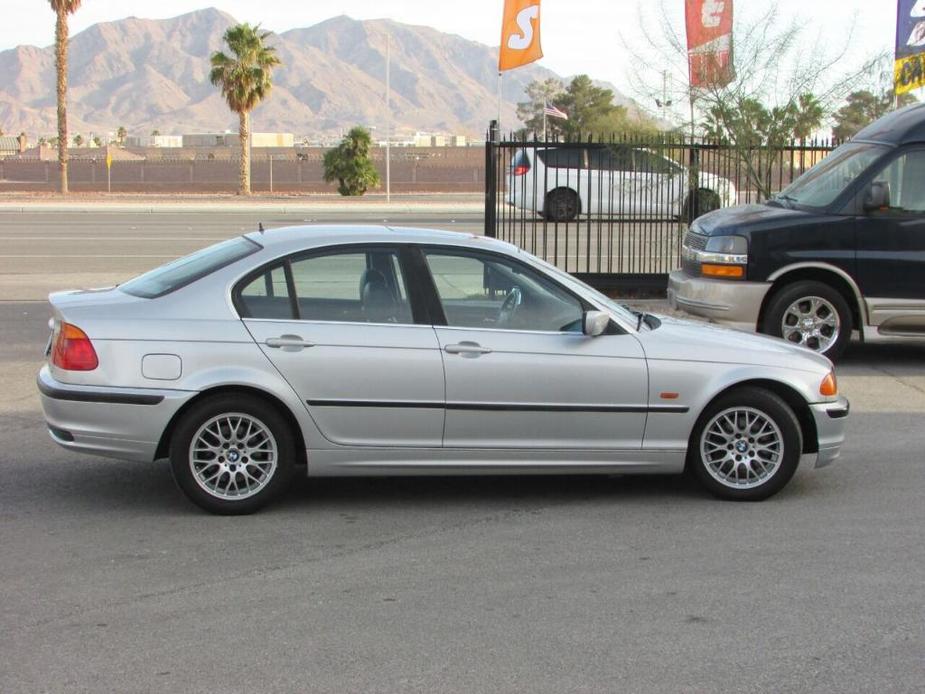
(905, 177)
(558, 158)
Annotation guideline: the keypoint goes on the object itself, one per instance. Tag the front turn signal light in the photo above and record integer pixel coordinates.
(829, 385)
(729, 272)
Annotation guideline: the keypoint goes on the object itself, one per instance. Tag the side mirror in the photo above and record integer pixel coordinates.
(594, 323)
(878, 196)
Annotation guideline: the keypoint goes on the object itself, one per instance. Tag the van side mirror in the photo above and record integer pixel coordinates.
(594, 323)
(877, 197)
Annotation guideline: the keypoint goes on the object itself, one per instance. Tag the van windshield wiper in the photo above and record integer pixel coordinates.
(787, 198)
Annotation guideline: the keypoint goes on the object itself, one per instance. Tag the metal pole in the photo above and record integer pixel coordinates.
(499, 101)
(388, 118)
(271, 173)
(108, 177)
(545, 138)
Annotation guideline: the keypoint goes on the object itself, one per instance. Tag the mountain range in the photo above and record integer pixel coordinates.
(153, 74)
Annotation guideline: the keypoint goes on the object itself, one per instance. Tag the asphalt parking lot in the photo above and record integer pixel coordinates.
(111, 581)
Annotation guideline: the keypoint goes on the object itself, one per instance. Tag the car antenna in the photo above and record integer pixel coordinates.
(260, 227)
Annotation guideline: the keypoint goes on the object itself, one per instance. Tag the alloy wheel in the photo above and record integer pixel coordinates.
(741, 447)
(811, 322)
(233, 456)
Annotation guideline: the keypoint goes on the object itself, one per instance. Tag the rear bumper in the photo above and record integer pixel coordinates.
(732, 303)
(114, 422)
(831, 418)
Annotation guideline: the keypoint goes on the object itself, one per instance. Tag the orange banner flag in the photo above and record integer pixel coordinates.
(520, 34)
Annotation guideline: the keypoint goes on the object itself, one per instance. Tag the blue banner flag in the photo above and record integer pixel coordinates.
(909, 66)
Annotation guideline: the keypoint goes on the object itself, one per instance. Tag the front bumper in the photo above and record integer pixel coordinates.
(732, 303)
(122, 423)
(831, 418)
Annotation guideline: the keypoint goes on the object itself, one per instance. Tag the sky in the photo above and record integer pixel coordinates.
(578, 36)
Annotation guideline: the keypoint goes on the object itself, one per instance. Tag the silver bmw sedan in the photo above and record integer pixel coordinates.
(349, 350)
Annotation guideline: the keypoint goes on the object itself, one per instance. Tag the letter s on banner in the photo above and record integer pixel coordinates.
(520, 34)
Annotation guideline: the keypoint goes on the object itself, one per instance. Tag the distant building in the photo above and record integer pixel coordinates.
(154, 141)
(272, 140)
(233, 140)
(12, 146)
(439, 140)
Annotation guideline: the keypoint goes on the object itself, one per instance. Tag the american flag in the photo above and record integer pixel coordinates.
(553, 112)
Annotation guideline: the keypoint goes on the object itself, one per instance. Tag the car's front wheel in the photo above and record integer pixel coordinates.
(232, 454)
(746, 445)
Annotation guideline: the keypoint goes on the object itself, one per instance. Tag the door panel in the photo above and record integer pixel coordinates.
(891, 242)
(349, 348)
(367, 385)
(538, 390)
(519, 371)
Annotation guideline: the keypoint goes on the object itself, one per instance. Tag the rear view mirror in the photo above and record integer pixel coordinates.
(594, 323)
(878, 196)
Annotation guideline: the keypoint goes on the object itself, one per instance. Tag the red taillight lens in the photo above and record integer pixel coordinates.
(520, 170)
(73, 350)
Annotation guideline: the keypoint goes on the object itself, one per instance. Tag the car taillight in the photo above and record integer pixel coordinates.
(520, 170)
(72, 349)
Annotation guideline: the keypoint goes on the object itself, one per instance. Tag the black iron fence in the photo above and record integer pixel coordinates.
(614, 210)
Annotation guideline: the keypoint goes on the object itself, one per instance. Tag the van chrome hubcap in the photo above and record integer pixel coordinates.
(233, 456)
(811, 322)
(741, 447)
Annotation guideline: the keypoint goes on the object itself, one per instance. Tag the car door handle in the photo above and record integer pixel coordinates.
(289, 343)
(471, 349)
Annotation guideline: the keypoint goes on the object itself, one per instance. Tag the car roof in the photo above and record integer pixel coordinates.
(308, 236)
(901, 127)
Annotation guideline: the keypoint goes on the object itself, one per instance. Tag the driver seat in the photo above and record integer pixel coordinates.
(376, 299)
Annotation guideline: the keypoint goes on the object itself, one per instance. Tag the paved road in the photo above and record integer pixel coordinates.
(111, 581)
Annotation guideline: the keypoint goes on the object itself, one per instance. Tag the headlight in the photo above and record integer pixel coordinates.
(725, 257)
(729, 245)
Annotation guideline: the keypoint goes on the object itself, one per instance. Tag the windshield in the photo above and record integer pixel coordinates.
(819, 186)
(188, 269)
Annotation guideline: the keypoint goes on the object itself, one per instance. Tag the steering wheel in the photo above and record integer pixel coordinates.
(511, 303)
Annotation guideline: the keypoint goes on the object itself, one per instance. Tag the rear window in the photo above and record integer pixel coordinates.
(183, 271)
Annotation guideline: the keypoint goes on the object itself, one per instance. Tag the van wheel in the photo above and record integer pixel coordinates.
(561, 205)
(232, 454)
(810, 314)
(746, 445)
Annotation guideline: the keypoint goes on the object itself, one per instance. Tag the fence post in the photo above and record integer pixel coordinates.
(693, 182)
(491, 178)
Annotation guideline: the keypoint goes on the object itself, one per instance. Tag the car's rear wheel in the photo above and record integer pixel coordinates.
(746, 445)
(810, 314)
(561, 205)
(232, 454)
(700, 203)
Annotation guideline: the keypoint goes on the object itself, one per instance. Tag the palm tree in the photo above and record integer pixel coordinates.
(809, 116)
(78, 140)
(121, 134)
(244, 78)
(62, 9)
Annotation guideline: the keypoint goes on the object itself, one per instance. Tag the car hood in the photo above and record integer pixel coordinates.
(745, 217)
(696, 341)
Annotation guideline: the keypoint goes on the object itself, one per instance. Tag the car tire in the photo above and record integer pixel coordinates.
(731, 464)
(703, 201)
(818, 302)
(243, 458)
(562, 205)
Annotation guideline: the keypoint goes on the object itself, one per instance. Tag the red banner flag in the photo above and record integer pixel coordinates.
(709, 42)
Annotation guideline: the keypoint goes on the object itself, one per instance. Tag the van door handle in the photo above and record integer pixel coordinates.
(288, 343)
(467, 349)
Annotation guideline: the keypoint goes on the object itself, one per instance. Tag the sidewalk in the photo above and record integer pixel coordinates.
(470, 203)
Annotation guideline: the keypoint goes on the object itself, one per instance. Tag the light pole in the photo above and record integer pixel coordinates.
(388, 117)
